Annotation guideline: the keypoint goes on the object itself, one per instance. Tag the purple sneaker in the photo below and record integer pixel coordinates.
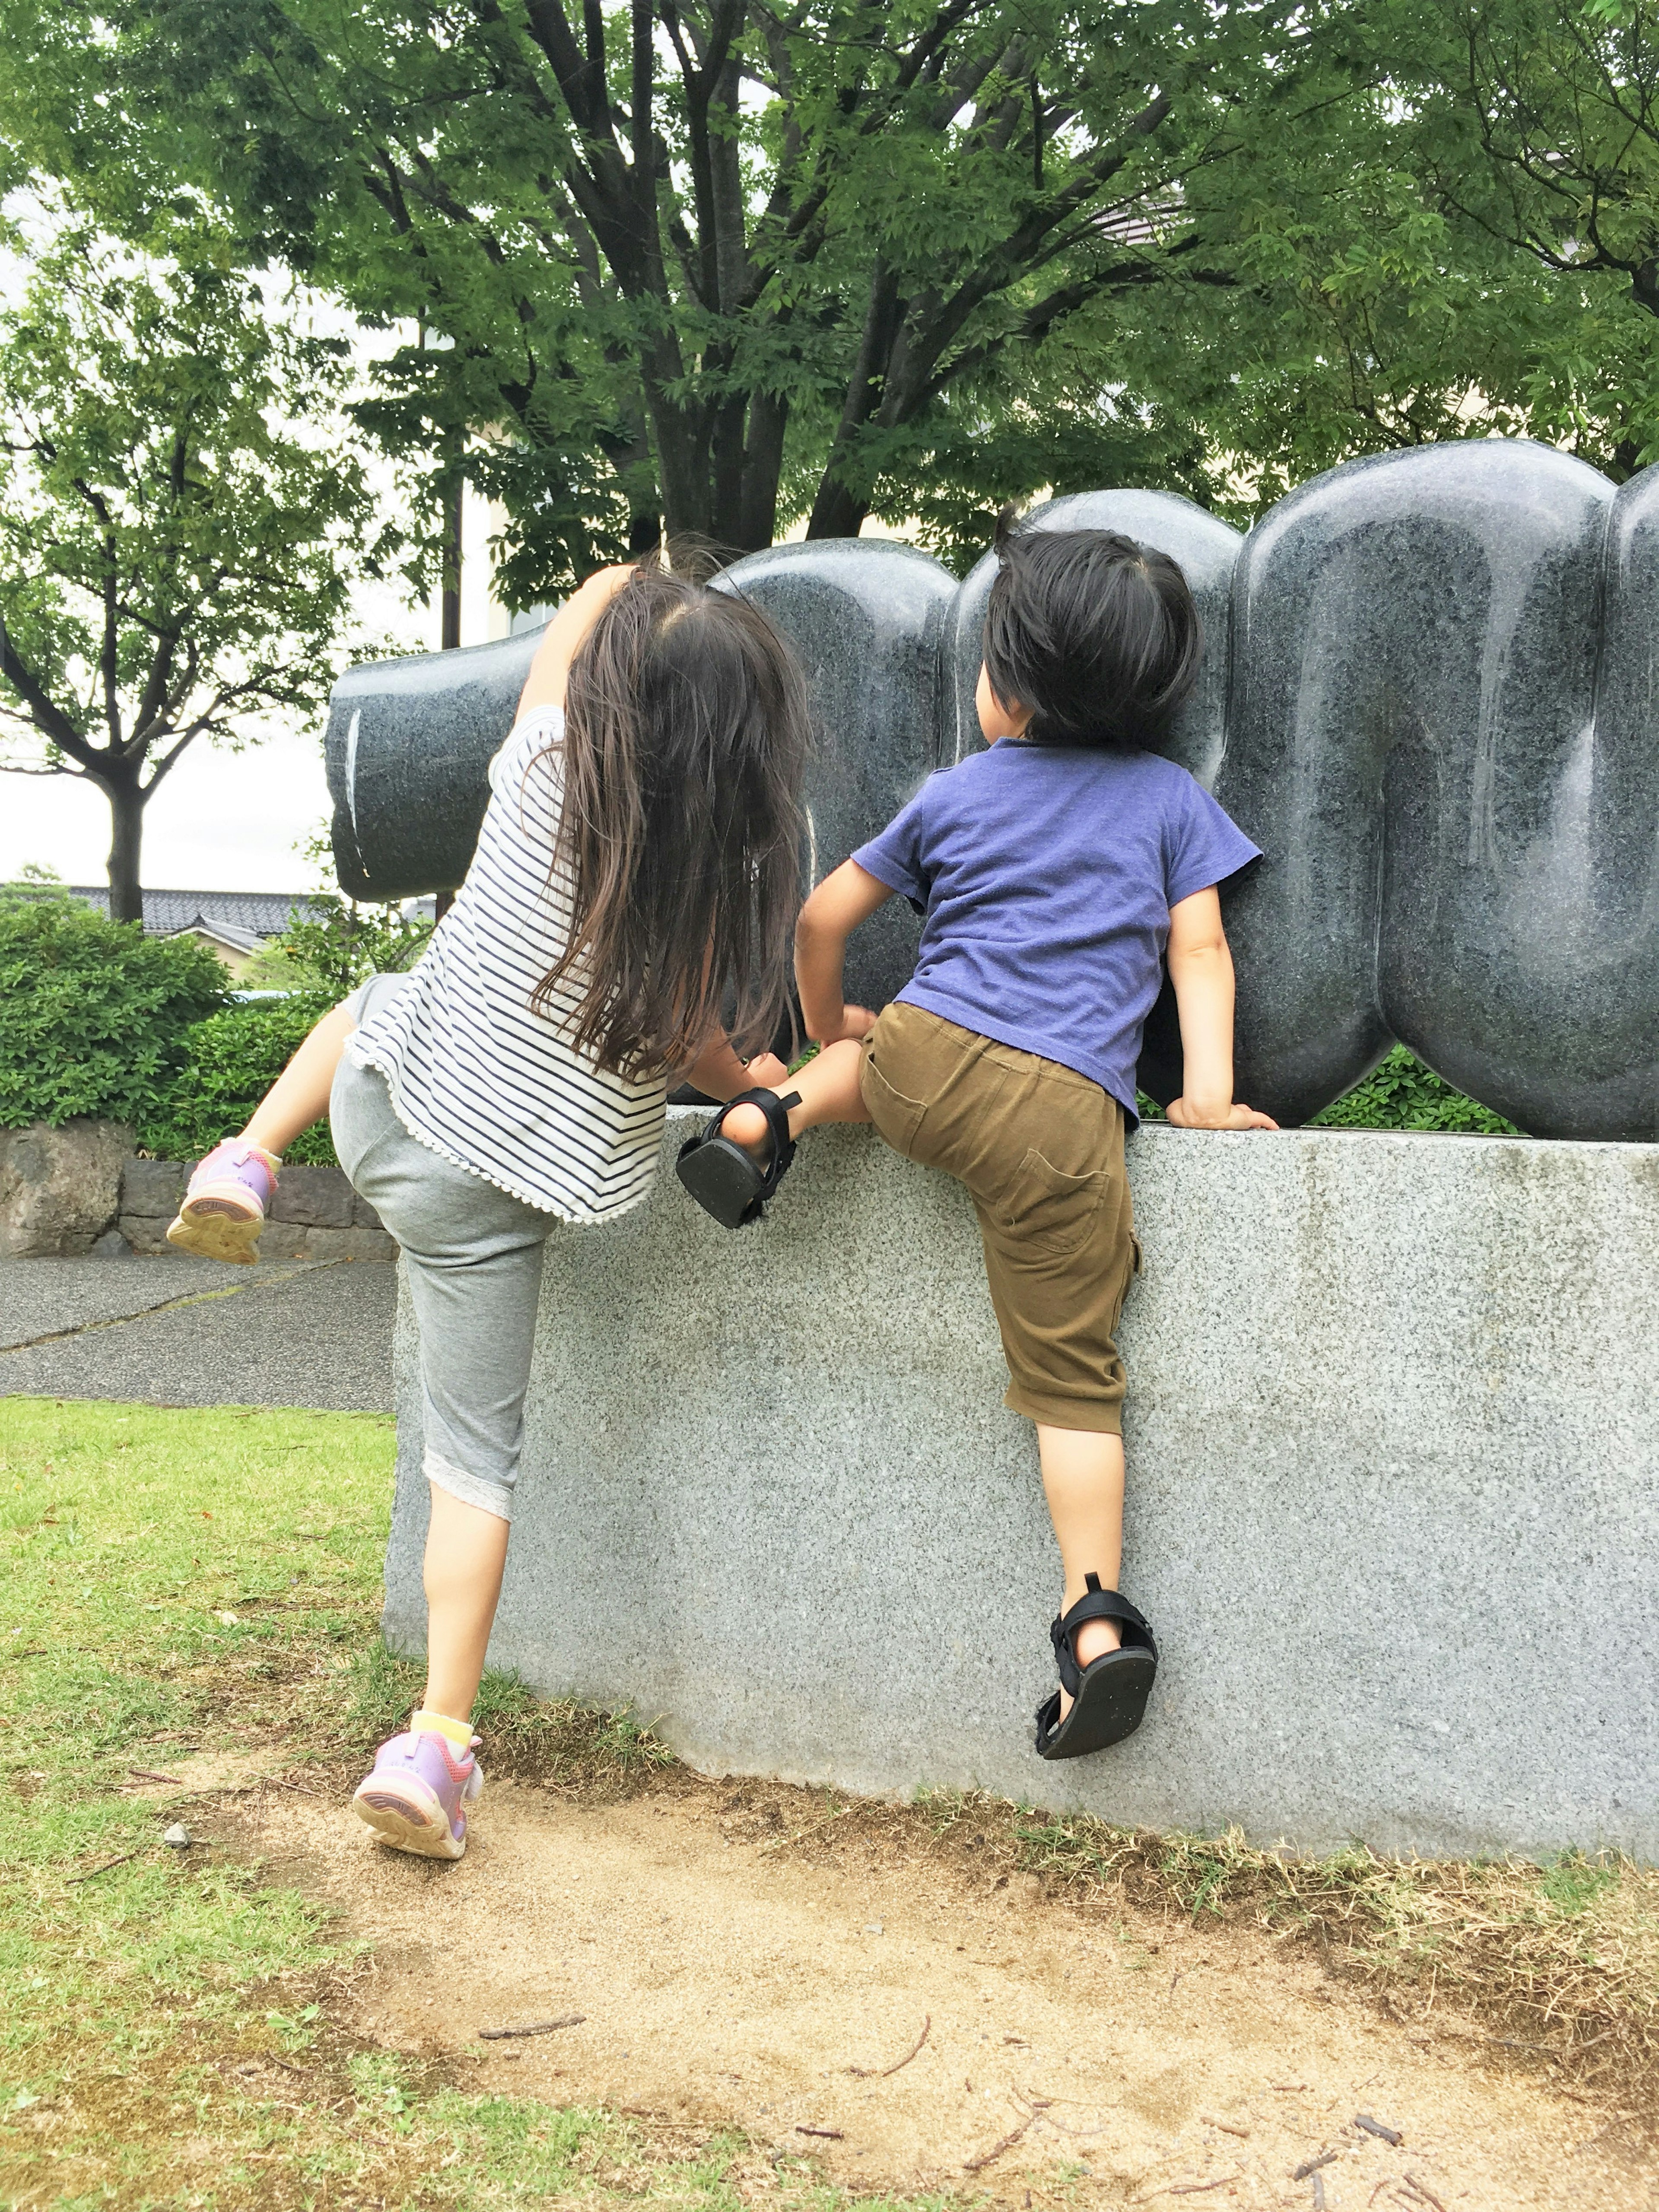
(414, 1797)
(224, 1208)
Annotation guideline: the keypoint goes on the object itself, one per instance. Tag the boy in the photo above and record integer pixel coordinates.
(1056, 872)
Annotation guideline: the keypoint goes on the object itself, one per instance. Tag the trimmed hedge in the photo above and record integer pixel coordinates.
(231, 1060)
(93, 1014)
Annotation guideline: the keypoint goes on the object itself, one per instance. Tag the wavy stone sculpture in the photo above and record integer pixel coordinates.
(1430, 694)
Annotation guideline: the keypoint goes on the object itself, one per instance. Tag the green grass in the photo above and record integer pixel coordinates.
(173, 1581)
(179, 1582)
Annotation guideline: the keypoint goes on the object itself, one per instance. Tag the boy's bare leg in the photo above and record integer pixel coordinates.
(465, 1553)
(1083, 1477)
(828, 1088)
(299, 1097)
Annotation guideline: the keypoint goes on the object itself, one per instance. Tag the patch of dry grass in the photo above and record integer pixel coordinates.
(1559, 1962)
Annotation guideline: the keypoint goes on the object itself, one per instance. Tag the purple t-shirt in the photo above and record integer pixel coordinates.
(1046, 875)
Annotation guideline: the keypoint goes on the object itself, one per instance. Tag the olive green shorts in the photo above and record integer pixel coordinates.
(1040, 1149)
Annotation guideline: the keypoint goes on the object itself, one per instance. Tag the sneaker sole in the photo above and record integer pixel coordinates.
(213, 1230)
(403, 1825)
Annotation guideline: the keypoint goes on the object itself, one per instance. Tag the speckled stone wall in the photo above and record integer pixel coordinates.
(1393, 1438)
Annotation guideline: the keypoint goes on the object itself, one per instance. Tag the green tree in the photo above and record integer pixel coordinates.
(710, 262)
(726, 263)
(335, 946)
(1465, 244)
(179, 527)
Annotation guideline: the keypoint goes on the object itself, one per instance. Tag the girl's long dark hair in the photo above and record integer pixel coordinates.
(685, 742)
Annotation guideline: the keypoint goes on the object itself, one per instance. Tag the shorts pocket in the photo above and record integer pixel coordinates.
(896, 1116)
(1047, 1211)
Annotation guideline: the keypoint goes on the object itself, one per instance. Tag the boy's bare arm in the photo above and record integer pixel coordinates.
(1202, 970)
(844, 899)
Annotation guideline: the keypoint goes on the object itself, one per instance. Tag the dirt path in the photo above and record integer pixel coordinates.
(723, 1977)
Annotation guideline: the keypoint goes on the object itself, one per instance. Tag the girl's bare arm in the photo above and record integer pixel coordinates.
(1202, 970)
(544, 686)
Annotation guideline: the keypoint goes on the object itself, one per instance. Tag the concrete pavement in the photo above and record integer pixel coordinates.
(181, 1332)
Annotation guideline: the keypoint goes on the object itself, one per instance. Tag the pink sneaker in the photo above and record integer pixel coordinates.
(224, 1208)
(414, 1798)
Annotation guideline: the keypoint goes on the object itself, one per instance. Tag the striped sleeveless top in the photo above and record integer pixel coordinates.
(473, 1073)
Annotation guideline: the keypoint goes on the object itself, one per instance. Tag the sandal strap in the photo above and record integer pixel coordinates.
(776, 1110)
(1095, 1604)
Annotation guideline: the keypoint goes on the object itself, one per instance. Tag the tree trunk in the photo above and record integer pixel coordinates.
(763, 466)
(127, 806)
(450, 630)
(836, 512)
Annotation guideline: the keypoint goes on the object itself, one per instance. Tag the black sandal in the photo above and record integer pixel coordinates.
(723, 1178)
(1109, 1696)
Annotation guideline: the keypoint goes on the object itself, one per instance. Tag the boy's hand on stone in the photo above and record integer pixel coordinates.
(1186, 1115)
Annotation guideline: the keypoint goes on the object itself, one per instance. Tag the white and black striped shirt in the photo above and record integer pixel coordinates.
(473, 1071)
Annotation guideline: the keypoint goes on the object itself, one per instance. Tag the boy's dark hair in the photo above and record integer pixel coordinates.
(1097, 635)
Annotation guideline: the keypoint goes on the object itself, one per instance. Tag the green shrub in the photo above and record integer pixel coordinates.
(231, 1060)
(1400, 1093)
(94, 1014)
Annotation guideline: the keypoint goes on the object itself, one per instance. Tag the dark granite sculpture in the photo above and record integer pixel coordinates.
(1430, 694)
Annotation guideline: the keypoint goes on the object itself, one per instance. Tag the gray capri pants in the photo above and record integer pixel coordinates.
(472, 1259)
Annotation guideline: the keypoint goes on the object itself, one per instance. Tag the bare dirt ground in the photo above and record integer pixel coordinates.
(912, 2023)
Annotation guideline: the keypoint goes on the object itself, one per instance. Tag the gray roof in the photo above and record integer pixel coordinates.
(246, 918)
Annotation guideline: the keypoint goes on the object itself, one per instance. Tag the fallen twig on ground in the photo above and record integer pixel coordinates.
(977, 2165)
(1312, 2165)
(1378, 2128)
(538, 2028)
(880, 2073)
(96, 1870)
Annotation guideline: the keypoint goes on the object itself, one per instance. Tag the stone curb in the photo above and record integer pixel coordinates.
(316, 1214)
(79, 1189)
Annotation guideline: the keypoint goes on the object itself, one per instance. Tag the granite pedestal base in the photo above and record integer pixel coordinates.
(1393, 1508)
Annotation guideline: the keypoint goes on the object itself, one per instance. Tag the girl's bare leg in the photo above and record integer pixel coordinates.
(1083, 1477)
(828, 1088)
(465, 1553)
(299, 1097)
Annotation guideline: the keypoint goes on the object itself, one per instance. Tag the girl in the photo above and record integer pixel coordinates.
(638, 866)
(1056, 872)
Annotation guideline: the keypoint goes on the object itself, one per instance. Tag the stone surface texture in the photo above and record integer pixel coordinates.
(869, 619)
(1394, 1447)
(59, 1188)
(1427, 697)
(408, 747)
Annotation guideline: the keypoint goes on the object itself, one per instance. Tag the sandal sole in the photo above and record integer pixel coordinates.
(723, 1181)
(1110, 1705)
